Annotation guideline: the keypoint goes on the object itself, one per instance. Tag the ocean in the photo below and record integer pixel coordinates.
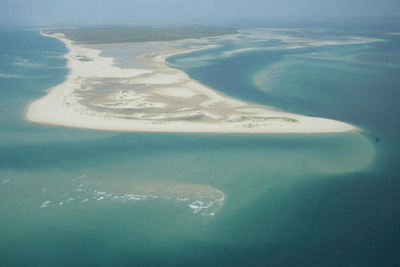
(73, 197)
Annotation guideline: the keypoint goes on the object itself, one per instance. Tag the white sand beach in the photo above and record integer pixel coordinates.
(98, 94)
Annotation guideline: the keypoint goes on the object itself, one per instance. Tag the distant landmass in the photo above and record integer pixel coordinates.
(126, 34)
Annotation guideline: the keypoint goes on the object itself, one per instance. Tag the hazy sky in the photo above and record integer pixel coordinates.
(154, 11)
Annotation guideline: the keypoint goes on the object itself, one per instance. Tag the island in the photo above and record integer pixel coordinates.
(141, 92)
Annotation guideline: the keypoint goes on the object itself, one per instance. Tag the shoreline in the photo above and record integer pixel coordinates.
(156, 107)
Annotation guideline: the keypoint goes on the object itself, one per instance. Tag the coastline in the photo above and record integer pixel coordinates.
(203, 110)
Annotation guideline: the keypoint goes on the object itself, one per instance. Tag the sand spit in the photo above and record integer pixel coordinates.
(97, 94)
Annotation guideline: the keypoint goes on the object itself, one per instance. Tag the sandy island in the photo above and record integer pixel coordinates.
(98, 94)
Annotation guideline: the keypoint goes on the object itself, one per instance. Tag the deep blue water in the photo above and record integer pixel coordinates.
(291, 200)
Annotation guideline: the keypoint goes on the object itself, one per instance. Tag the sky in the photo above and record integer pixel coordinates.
(52, 12)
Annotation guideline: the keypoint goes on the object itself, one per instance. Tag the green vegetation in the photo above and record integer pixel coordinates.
(125, 34)
(260, 119)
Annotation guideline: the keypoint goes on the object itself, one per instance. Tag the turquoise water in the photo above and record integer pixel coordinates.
(72, 197)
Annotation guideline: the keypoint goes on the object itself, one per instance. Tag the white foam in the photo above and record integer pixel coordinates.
(45, 204)
(198, 206)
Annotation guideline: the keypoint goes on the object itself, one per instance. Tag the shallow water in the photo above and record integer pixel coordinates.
(79, 197)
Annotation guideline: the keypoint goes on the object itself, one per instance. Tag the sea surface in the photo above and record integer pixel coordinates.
(72, 197)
